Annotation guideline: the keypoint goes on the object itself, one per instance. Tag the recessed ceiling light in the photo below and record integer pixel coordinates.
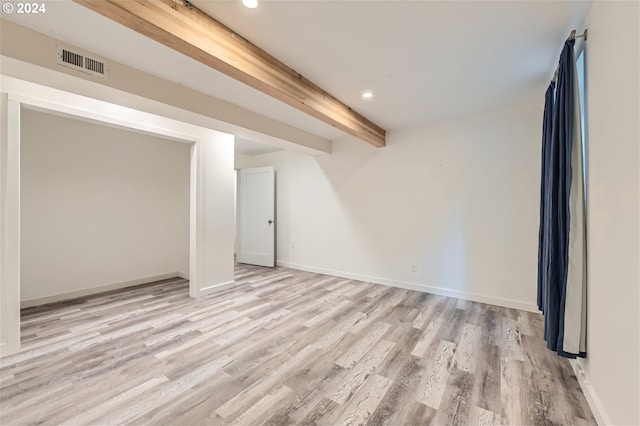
(251, 4)
(367, 94)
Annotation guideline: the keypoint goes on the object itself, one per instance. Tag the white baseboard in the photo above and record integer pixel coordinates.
(183, 275)
(590, 394)
(211, 289)
(440, 291)
(6, 348)
(93, 290)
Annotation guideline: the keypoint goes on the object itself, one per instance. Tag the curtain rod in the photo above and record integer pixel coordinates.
(572, 36)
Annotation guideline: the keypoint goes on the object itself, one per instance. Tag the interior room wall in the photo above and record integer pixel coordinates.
(101, 206)
(612, 367)
(449, 208)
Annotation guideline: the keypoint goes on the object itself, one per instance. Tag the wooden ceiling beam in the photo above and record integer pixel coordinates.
(195, 34)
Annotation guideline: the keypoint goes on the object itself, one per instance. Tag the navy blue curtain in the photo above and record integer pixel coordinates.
(547, 127)
(557, 142)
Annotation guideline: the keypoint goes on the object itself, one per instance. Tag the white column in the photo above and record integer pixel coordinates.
(9, 226)
(213, 232)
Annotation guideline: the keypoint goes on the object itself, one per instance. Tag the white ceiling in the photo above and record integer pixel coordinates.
(425, 60)
(247, 147)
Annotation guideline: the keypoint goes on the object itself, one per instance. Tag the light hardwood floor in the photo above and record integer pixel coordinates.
(284, 347)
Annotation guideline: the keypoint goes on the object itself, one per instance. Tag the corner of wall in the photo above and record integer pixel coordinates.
(597, 409)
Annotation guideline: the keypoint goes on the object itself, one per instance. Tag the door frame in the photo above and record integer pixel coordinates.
(22, 94)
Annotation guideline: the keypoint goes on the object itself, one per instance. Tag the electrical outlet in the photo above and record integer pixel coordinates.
(414, 267)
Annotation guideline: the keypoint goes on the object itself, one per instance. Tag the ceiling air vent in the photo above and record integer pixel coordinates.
(81, 61)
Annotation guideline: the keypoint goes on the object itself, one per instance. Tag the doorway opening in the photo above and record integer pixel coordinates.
(210, 259)
(102, 208)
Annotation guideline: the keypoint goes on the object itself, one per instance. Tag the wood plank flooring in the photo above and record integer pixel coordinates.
(284, 347)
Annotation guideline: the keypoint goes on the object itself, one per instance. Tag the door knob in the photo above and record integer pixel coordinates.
(270, 222)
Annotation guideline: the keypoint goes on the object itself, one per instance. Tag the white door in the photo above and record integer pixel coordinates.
(256, 216)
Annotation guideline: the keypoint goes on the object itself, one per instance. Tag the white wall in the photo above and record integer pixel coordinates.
(458, 199)
(215, 225)
(9, 225)
(613, 93)
(99, 206)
